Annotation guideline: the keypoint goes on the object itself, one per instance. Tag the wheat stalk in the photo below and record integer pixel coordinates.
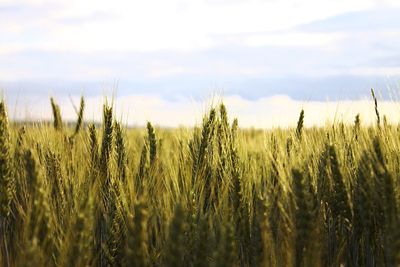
(57, 123)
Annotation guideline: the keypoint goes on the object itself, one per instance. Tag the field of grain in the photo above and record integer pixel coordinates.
(215, 195)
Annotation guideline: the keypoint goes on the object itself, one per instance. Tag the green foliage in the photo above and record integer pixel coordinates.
(175, 246)
(7, 183)
(136, 250)
(214, 195)
(302, 217)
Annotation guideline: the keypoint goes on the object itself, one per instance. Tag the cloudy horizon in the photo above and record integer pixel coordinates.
(278, 111)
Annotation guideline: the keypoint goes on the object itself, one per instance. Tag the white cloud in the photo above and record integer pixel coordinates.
(248, 46)
(383, 71)
(172, 25)
(294, 39)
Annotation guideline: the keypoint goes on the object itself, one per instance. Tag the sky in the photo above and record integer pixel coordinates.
(168, 60)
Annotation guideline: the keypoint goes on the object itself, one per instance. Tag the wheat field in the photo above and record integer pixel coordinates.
(214, 195)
